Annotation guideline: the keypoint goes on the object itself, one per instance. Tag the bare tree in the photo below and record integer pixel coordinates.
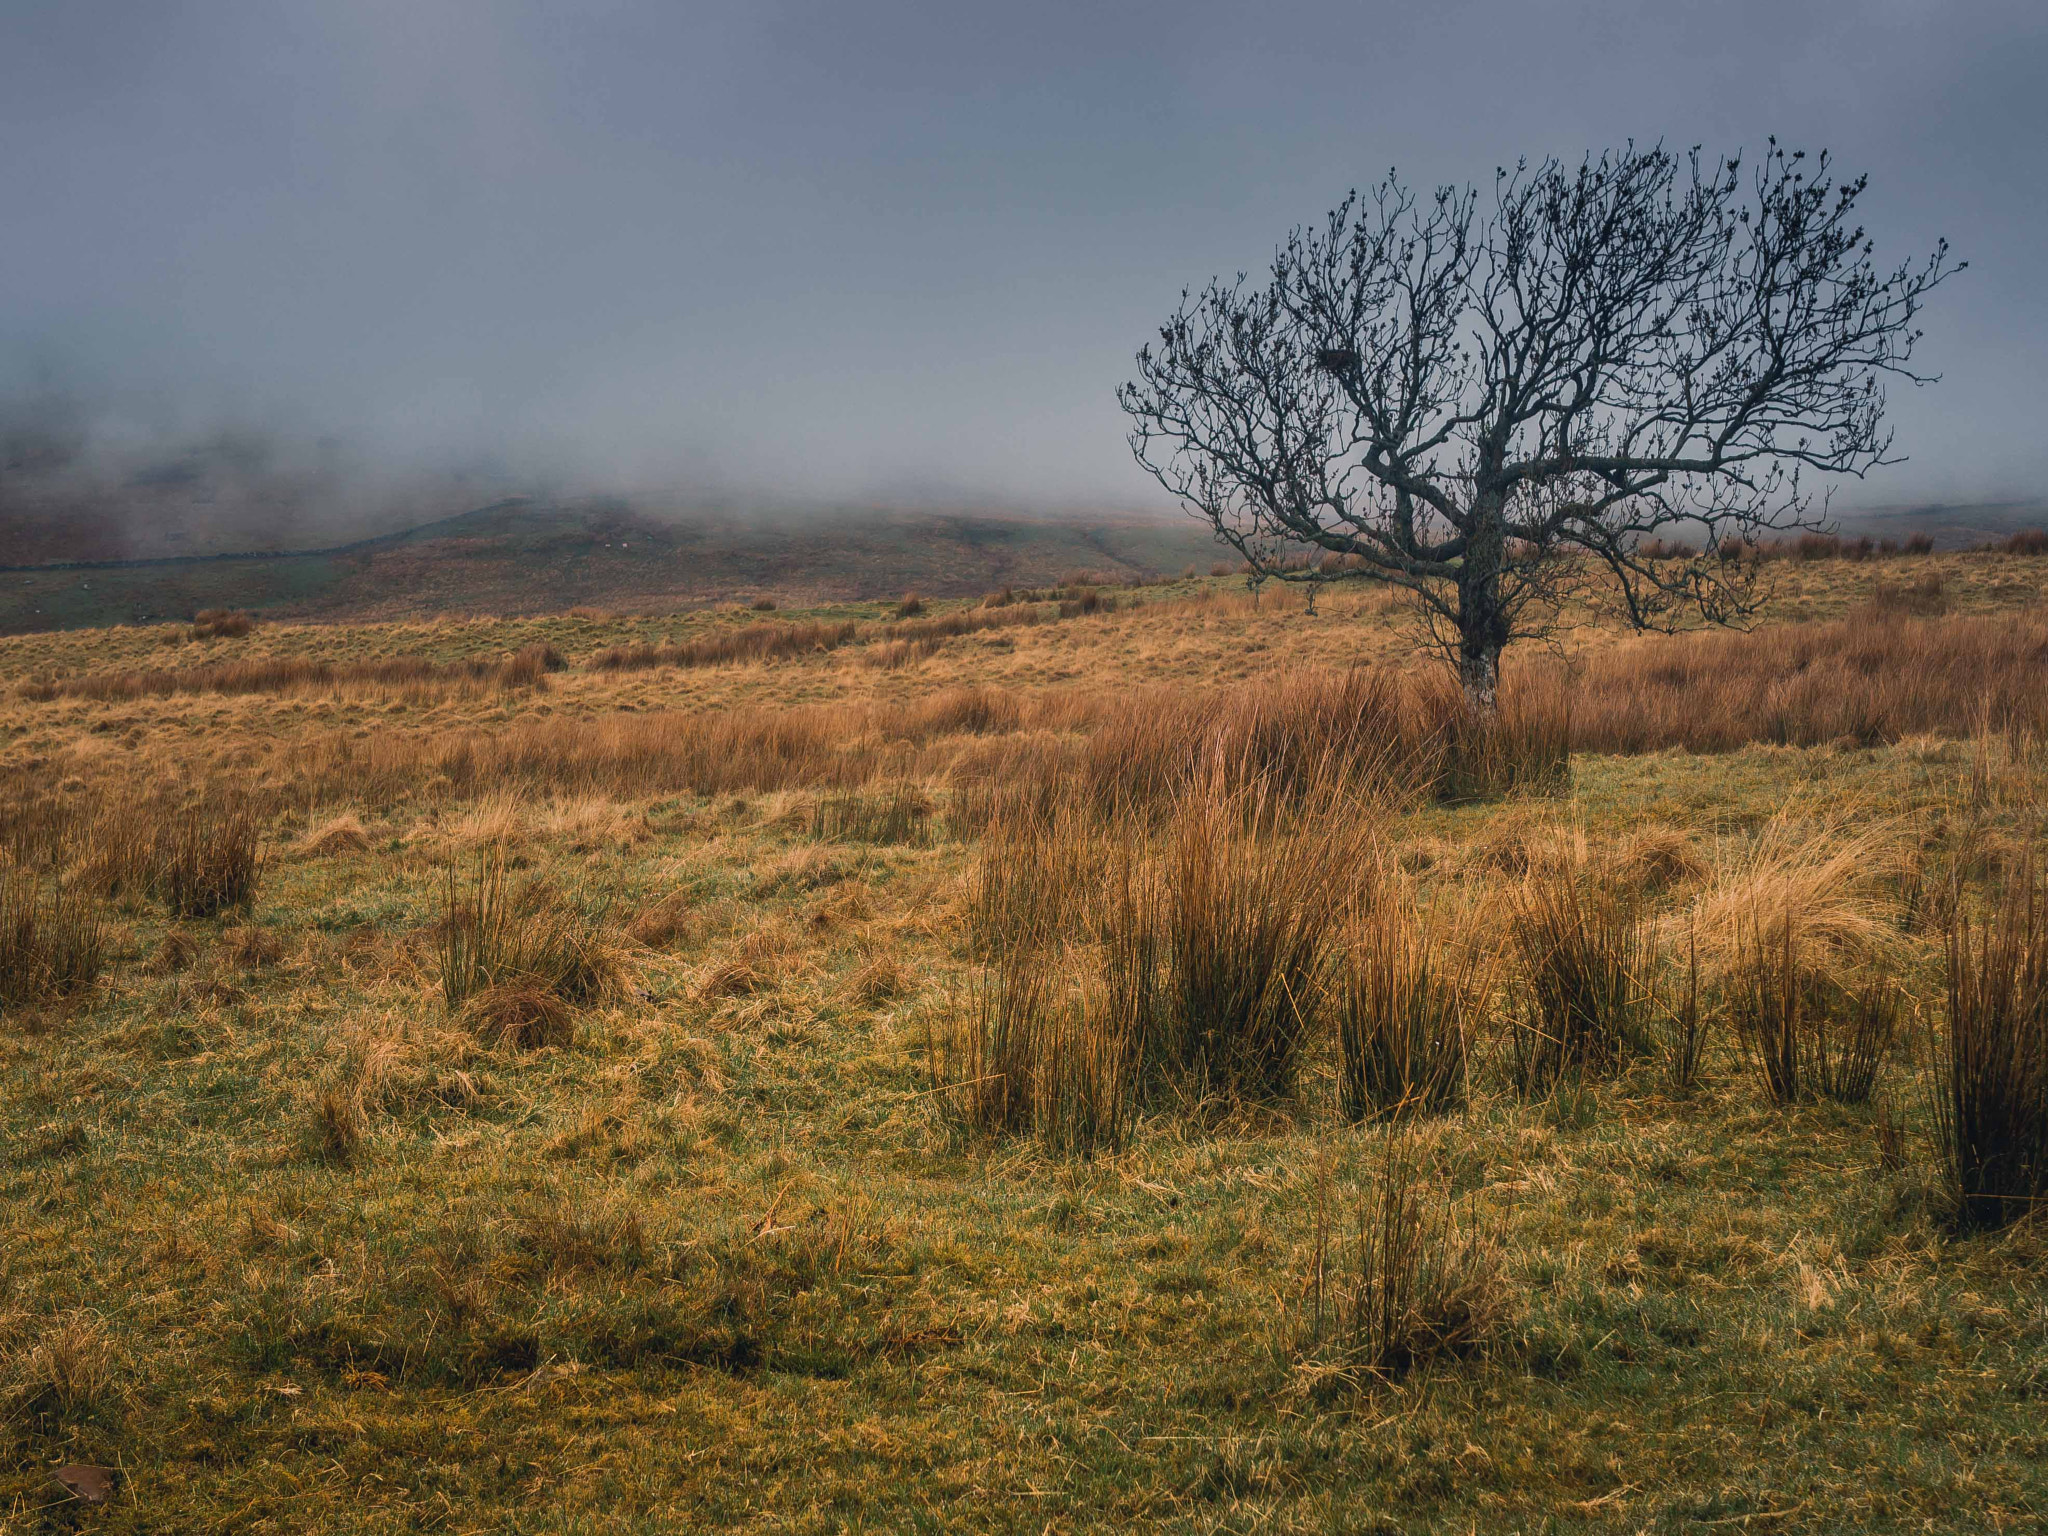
(1498, 409)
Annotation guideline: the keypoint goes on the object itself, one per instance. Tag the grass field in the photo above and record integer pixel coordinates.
(849, 1069)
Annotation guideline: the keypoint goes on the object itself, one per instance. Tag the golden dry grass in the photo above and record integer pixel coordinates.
(660, 1218)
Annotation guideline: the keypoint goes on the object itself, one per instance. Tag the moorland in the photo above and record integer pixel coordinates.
(1092, 1057)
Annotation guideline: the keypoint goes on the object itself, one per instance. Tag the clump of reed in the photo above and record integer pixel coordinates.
(1408, 1004)
(1395, 1280)
(1198, 952)
(1585, 964)
(514, 962)
(901, 814)
(1247, 901)
(1686, 1024)
(1050, 1053)
(52, 940)
(1879, 675)
(206, 857)
(1808, 1034)
(525, 668)
(1991, 1085)
(1523, 745)
(750, 642)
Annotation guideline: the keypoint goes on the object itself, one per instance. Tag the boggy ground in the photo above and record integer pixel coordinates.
(295, 1245)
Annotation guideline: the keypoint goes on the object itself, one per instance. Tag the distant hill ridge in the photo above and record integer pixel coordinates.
(523, 554)
(528, 555)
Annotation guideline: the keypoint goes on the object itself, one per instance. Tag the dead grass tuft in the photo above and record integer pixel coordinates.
(52, 941)
(520, 1015)
(758, 962)
(1409, 1003)
(343, 833)
(1829, 874)
(1585, 964)
(668, 920)
(530, 940)
(66, 1373)
(1991, 1088)
(1395, 1282)
(247, 947)
(881, 978)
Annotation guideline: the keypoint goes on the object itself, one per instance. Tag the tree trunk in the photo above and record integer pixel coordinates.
(1479, 671)
(1482, 627)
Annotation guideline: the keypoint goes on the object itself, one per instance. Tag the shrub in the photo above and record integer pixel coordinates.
(1407, 1005)
(219, 623)
(1584, 958)
(1396, 1282)
(910, 607)
(1919, 544)
(51, 945)
(763, 605)
(1991, 1091)
(2028, 541)
(1816, 546)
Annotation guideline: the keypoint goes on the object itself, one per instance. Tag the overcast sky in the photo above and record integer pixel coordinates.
(862, 250)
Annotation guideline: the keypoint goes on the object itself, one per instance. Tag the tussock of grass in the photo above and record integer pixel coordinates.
(514, 960)
(1585, 967)
(1395, 1281)
(1410, 1002)
(1991, 1094)
(338, 834)
(64, 1371)
(1830, 874)
(52, 941)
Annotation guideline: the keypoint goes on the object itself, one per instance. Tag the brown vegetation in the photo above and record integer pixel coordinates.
(1410, 1003)
(1072, 1018)
(1991, 1099)
(526, 668)
(1870, 678)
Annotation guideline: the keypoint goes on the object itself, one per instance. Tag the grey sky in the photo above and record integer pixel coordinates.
(862, 250)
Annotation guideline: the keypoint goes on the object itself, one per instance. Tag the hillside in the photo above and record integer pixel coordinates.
(530, 556)
(526, 555)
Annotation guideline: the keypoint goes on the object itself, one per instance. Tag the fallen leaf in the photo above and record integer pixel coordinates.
(89, 1485)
